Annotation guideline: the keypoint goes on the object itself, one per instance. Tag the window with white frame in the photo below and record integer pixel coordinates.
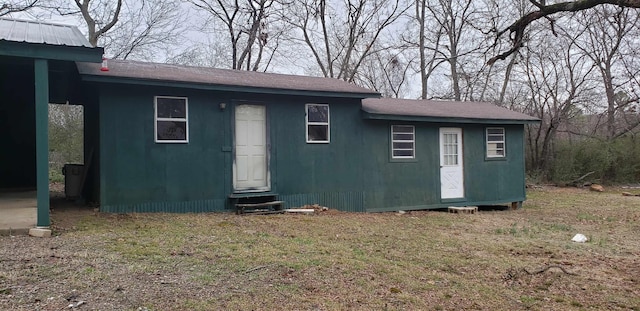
(403, 142)
(495, 142)
(317, 123)
(171, 119)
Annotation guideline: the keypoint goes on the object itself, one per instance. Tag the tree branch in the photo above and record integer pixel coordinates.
(517, 29)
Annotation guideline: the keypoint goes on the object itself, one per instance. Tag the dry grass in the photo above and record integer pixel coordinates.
(336, 261)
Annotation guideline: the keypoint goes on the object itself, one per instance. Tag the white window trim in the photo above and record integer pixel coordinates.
(503, 141)
(156, 119)
(412, 141)
(307, 123)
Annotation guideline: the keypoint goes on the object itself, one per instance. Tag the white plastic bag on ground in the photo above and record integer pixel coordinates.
(580, 238)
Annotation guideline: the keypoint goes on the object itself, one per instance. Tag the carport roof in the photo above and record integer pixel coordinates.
(441, 111)
(133, 72)
(36, 39)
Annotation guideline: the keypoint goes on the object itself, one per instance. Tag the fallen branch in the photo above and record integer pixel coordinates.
(513, 275)
(581, 177)
(545, 269)
(258, 268)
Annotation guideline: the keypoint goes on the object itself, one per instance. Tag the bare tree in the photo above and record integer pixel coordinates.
(429, 60)
(127, 28)
(342, 35)
(209, 54)
(609, 31)
(540, 10)
(385, 72)
(452, 16)
(558, 86)
(99, 16)
(145, 29)
(449, 43)
(247, 25)
(15, 6)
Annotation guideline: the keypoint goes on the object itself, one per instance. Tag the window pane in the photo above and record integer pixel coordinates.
(402, 129)
(318, 113)
(402, 141)
(172, 130)
(171, 107)
(495, 142)
(318, 133)
(403, 137)
(450, 138)
(403, 145)
(495, 152)
(403, 153)
(453, 160)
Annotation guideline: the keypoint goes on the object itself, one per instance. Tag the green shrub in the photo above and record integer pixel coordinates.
(616, 161)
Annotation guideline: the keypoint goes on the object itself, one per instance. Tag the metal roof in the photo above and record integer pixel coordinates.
(40, 32)
(441, 110)
(125, 71)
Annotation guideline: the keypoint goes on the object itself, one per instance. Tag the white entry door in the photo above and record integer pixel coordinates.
(250, 164)
(451, 168)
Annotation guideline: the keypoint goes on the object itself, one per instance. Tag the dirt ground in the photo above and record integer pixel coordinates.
(422, 260)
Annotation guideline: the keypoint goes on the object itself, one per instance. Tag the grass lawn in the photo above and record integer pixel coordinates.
(430, 260)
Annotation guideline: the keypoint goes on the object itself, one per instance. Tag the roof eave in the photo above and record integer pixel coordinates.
(431, 119)
(222, 87)
(49, 51)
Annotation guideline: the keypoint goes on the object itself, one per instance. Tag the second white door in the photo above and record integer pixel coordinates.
(451, 166)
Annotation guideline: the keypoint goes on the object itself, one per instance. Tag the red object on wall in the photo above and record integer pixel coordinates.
(104, 66)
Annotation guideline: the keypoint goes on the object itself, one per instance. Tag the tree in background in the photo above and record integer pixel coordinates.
(516, 31)
(127, 28)
(99, 16)
(448, 38)
(247, 24)
(557, 83)
(145, 30)
(609, 37)
(341, 35)
(66, 128)
(386, 72)
(8, 7)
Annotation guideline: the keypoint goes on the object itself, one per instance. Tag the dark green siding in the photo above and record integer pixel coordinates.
(400, 184)
(494, 180)
(138, 174)
(326, 174)
(415, 184)
(353, 172)
(91, 190)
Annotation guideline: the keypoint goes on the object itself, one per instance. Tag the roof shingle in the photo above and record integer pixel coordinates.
(442, 109)
(221, 77)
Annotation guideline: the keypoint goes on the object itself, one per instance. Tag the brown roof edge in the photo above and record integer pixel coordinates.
(131, 71)
(442, 109)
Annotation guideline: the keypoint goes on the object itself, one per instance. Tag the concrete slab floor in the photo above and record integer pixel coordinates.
(18, 212)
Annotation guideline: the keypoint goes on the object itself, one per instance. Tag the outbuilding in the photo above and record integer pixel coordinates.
(432, 154)
(171, 138)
